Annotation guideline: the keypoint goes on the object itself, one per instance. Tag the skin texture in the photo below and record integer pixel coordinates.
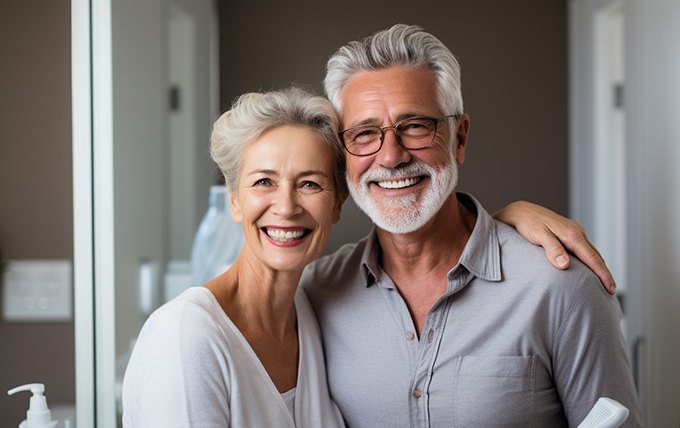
(286, 185)
(424, 178)
(285, 188)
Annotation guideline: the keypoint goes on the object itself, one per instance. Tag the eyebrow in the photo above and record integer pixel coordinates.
(373, 121)
(306, 173)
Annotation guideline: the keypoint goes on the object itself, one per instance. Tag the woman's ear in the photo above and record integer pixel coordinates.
(236, 214)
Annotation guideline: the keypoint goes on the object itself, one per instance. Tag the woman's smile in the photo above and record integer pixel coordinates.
(286, 236)
(286, 197)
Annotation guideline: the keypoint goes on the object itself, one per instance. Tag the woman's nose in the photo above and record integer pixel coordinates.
(286, 202)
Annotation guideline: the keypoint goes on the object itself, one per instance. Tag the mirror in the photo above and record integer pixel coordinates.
(165, 99)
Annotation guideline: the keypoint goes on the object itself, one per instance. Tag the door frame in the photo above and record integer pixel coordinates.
(583, 168)
(93, 205)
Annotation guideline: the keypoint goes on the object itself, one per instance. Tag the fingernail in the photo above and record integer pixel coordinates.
(561, 260)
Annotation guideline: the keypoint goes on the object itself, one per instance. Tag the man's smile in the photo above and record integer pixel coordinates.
(399, 184)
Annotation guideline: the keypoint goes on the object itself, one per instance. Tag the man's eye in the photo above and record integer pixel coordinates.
(367, 132)
(416, 128)
(365, 135)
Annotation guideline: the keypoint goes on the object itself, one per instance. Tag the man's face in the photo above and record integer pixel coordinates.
(399, 189)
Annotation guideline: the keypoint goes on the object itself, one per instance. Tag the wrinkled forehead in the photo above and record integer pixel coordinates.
(391, 94)
(287, 149)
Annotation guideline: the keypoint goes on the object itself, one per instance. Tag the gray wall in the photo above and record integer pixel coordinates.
(514, 66)
(35, 187)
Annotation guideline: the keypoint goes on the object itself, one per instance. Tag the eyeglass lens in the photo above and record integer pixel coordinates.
(413, 133)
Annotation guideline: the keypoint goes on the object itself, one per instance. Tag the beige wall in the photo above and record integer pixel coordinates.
(514, 67)
(35, 187)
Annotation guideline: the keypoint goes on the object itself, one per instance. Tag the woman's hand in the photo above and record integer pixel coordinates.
(556, 234)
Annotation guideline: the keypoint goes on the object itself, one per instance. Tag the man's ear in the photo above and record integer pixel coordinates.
(462, 133)
(236, 214)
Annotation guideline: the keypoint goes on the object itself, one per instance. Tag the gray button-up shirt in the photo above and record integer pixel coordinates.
(513, 342)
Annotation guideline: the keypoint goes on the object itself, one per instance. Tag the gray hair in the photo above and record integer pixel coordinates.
(254, 113)
(398, 45)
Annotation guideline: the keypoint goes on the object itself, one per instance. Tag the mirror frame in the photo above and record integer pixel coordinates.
(92, 121)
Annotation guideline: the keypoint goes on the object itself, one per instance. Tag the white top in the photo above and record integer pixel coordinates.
(191, 367)
(289, 399)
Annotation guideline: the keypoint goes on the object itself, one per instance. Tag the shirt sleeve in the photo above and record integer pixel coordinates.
(589, 359)
(177, 375)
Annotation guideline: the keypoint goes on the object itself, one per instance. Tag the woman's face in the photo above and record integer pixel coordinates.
(286, 198)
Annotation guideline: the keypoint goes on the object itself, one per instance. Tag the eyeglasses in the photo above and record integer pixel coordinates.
(414, 133)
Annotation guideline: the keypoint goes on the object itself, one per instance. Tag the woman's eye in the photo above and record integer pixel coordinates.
(263, 182)
(310, 185)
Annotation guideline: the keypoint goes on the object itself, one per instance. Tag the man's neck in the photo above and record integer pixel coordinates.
(436, 246)
(418, 262)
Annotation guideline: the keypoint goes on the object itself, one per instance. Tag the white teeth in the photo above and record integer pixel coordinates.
(285, 235)
(398, 184)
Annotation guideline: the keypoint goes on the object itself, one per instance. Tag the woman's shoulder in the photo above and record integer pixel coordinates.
(179, 360)
(195, 304)
(193, 319)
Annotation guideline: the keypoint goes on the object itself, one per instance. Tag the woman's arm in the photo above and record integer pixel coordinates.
(558, 235)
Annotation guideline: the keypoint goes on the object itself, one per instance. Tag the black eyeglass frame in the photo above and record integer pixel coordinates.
(435, 120)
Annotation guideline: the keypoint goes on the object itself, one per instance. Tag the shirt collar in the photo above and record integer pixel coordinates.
(370, 259)
(481, 255)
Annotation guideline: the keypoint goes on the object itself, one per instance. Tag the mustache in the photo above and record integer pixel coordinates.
(382, 173)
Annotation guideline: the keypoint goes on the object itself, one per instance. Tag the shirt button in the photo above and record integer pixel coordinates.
(417, 393)
(430, 335)
(410, 336)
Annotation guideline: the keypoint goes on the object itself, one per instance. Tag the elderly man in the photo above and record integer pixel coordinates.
(443, 316)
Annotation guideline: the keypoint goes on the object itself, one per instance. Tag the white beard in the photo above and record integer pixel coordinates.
(404, 214)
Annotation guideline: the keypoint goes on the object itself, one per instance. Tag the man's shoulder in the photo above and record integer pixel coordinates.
(335, 269)
(528, 262)
(347, 258)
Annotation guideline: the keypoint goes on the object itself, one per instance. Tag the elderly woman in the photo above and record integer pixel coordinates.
(244, 350)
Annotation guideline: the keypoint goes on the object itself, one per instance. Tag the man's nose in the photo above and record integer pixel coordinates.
(392, 154)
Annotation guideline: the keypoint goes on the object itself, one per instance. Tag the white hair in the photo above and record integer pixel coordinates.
(398, 45)
(254, 113)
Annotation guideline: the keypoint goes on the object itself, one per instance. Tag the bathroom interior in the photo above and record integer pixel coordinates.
(105, 174)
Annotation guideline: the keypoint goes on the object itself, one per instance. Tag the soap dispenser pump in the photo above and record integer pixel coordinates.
(38, 414)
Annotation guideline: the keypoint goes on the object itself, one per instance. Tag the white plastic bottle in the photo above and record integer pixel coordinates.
(217, 241)
(38, 414)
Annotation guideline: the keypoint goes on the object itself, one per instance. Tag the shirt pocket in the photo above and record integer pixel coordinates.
(495, 391)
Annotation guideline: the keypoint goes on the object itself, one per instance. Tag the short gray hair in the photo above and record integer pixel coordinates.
(254, 113)
(398, 45)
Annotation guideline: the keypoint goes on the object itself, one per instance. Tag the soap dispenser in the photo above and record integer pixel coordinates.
(37, 415)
